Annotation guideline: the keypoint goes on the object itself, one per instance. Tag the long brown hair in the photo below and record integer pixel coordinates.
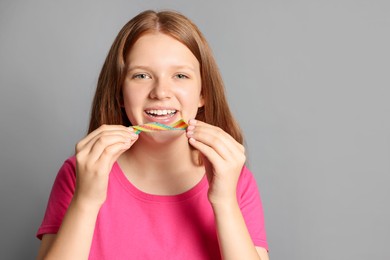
(106, 106)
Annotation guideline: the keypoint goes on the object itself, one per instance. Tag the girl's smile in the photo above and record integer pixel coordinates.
(160, 114)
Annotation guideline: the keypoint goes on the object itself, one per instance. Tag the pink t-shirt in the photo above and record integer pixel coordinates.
(135, 225)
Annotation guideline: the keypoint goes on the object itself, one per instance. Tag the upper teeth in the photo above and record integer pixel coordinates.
(161, 112)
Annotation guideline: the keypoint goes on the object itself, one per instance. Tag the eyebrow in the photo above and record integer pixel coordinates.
(176, 67)
(137, 67)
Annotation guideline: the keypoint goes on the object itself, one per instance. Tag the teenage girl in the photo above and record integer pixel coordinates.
(169, 194)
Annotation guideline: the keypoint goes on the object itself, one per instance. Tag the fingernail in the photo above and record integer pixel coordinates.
(134, 135)
(191, 127)
(134, 131)
(190, 133)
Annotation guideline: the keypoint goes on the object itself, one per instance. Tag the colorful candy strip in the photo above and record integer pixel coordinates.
(155, 127)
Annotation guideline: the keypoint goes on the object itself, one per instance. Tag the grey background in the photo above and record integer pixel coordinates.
(308, 81)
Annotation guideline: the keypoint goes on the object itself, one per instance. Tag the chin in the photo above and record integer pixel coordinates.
(164, 137)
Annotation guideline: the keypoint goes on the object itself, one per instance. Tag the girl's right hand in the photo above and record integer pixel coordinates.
(95, 156)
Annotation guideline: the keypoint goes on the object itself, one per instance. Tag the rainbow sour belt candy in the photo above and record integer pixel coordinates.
(154, 127)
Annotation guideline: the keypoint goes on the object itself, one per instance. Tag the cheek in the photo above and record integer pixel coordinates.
(190, 92)
(190, 98)
(131, 97)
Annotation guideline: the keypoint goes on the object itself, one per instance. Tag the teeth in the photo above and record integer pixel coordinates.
(161, 112)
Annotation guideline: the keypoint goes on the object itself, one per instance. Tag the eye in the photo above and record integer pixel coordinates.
(141, 76)
(181, 76)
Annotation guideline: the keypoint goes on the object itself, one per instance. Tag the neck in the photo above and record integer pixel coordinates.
(171, 156)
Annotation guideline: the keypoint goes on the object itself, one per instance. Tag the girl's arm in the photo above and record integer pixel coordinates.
(224, 158)
(95, 156)
(74, 237)
(233, 235)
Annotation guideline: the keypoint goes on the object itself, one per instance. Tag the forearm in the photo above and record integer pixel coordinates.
(234, 239)
(74, 238)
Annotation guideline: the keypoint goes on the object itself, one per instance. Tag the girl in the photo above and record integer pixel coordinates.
(169, 194)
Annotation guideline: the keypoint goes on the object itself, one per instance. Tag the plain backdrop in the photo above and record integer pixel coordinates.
(307, 80)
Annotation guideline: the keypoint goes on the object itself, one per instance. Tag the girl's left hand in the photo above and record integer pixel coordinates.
(223, 158)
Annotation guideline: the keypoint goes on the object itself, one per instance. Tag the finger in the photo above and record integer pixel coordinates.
(110, 130)
(102, 144)
(218, 131)
(103, 129)
(215, 138)
(91, 135)
(111, 153)
(203, 124)
(87, 143)
(212, 156)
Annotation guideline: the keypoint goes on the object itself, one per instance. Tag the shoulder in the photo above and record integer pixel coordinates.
(71, 162)
(247, 185)
(69, 166)
(67, 173)
(246, 178)
(245, 172)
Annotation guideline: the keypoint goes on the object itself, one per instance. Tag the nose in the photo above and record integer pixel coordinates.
(161, 89)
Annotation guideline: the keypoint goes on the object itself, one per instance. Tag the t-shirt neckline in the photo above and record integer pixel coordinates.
(137, 193)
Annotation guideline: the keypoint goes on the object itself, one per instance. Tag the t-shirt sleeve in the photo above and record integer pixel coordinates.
(60, 198)
(251, 207)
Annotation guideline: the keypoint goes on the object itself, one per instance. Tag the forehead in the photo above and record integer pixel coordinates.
(157, 49)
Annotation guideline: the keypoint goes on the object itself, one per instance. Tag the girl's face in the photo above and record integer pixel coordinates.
(163, 82)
